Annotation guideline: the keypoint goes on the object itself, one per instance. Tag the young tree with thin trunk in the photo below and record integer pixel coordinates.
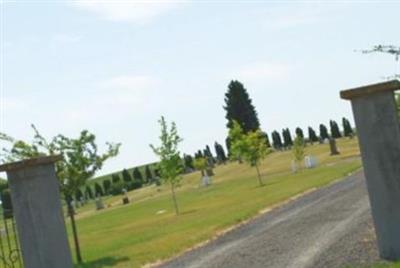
(200, 164)
(170, 164)
(298, 150)
(81, 160)
(250, 146)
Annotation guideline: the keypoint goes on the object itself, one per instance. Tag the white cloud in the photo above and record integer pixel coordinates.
(127, 11)
(263, 71)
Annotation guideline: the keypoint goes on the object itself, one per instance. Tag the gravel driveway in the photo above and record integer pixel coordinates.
(330, 227)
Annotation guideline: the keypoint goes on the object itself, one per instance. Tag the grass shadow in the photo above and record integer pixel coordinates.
(188, 212)
(102, 262)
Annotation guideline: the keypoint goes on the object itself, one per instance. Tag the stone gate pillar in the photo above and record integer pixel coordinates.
(38, 212)
(378, 130)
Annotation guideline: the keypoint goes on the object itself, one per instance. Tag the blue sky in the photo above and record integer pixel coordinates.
(114, 67)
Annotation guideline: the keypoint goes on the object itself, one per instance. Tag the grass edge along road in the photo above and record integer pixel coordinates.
(147, 230)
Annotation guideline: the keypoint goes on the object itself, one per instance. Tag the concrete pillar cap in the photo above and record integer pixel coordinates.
(352, 93)
(42, 160)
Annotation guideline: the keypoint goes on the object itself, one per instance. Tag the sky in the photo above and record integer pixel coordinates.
(114, 67)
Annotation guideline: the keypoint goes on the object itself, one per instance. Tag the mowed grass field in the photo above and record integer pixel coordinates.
(147, 230)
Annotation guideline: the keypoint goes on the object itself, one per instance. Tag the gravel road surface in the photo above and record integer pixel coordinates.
(330, 227)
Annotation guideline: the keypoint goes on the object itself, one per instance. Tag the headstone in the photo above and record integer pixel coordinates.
(205, 180)
(377, 123)
(99, 203)
(332, 146)
(125, 198)
(310, 161)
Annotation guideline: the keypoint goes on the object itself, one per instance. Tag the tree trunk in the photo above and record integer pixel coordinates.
(174, 199)
(259, 176)
(71, 213)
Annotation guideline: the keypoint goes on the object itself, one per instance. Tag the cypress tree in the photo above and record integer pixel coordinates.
(287, 138)
(323, 132)
(335, 129)
(312, 136)
(209, 154)
(188, 160)
(78, 195)
(199, 154)
(347, 129)
(299, 132)
(115, 178)
(88, 192)
(276, 140)
(107, 186)
(98, 190)
(149, 175)
(239, 107)
(137, 177)
(228, 145)
(126, 176)
(266, 139)
(220, 152)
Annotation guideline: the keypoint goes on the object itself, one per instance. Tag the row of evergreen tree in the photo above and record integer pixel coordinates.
(118, 182)
(239, 108)
(286, 140)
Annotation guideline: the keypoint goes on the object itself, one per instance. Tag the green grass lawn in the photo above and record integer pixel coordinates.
(136, 234)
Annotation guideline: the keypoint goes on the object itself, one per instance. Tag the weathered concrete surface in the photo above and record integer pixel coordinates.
(378, 130)
(328, 228)
(37, 209)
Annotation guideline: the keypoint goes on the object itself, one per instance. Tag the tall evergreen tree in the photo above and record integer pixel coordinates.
(199, 154)
(126, 176)
(149, 175)
(188, 160)
(287, 138)
(299, 132)
(347, 129)
(220, 152)
(239, 107)
(88, 192)
(137, 176)
(107, 186)
(335, 129)
(276, 140)
(98, 190)
(312, 136)
(115, 178)
(323, 132)
(266, 139)
(78, 194)
(209, 153)
(228, 145)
